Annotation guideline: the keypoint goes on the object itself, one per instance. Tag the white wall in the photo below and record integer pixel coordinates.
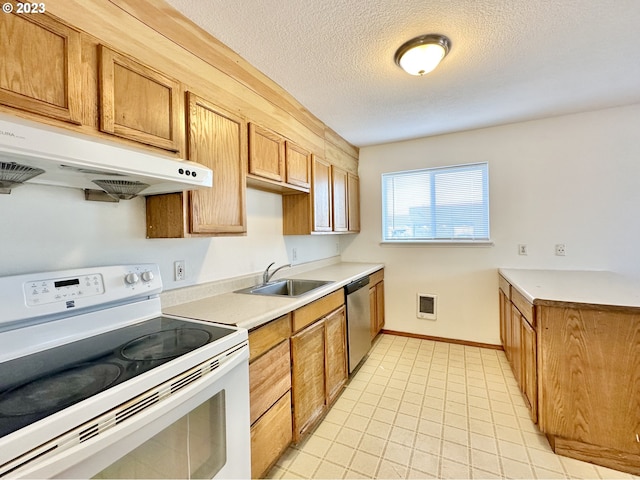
(572, 179)
(48, 228)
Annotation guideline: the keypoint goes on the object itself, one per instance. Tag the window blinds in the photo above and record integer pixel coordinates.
(436, 204)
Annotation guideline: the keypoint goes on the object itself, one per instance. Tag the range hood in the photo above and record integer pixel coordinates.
(35, 153)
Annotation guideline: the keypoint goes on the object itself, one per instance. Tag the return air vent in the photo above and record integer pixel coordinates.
(427, 306)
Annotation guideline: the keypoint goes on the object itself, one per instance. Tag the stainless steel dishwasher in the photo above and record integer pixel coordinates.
(358, 321)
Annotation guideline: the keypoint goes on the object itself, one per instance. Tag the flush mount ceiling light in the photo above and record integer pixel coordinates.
(422, 54)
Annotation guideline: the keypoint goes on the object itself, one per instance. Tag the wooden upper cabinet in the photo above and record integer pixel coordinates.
(41, 66)
(339, 191)
(216, 138)
(298, 168)
(139, 103)
(266, 153)
(321, 194)
(353, 202)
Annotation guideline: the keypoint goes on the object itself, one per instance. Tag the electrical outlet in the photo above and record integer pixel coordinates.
(179, 272)
(561, 250)
(337, 247)
(294, 254)
(522, 249)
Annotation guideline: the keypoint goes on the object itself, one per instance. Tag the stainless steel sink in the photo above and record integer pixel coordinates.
(285, 288)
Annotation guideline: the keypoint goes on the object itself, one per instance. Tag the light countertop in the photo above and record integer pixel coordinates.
(551, 287)
(250, 311)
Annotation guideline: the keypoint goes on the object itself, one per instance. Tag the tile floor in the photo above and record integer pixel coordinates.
(424, 409)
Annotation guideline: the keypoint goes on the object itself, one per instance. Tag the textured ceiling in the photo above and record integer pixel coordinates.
(511, 60)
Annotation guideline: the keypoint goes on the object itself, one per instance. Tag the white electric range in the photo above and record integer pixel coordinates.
(96, 382)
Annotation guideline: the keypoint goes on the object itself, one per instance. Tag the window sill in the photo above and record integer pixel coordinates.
(437, 243)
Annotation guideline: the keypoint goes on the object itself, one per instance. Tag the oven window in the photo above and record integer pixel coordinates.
(192, 447)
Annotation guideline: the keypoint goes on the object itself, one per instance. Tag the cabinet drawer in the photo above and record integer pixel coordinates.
(522, 304)
(310, 313)
(504, 286)
(270, 436)
(269, 379)
(267, 336)
(376, 277)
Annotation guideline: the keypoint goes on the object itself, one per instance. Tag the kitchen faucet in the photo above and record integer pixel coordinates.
(266, 276)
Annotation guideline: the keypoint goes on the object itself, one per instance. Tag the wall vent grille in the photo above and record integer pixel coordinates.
(427, 306)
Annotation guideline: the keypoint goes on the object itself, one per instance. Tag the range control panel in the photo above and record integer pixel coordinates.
(65, 292)
(62, 289)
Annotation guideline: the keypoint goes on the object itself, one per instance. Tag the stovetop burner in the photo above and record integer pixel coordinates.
(38, 385)
(165, 344)
(59, 390)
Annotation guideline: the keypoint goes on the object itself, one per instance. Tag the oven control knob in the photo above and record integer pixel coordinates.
(131, 278)
(147, 276)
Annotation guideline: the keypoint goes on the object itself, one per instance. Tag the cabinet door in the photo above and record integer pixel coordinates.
(297, 165)
(307, 377)
(372, 309)
(269, 379)
(339, 192)
(380, 305)
(335, 353)
(270, 436)
(321, 192)
(505, 309)
(516, 345)
(353, 190)
(139, 103)
(529, 369)
(507, 341)
(218, 139)
(41, 66)
(266, 153)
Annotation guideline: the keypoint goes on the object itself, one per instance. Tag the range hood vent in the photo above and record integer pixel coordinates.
(36, 153)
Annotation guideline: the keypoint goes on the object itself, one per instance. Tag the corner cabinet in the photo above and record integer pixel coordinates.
(333, 205)
(577, 366)
(216, 138)
(41, 68)
(139, 103)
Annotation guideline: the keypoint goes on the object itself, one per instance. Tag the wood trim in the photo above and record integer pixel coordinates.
(313, 311)
(266, 336)
(622, 461)
(170, 23)
(442, 339)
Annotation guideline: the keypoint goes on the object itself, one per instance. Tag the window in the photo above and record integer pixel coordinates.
(436, 204)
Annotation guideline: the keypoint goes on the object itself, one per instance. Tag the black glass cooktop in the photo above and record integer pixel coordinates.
(38, 385)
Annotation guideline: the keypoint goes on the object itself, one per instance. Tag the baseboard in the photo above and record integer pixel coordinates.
(442, 339)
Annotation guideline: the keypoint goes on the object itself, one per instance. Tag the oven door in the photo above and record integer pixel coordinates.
(199, 431)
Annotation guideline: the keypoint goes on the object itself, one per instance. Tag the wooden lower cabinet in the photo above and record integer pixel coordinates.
(529, 381)
(336, 368)
(578, 367)
(270, 436)
(376, 302)
(308, 378)
(270, 393)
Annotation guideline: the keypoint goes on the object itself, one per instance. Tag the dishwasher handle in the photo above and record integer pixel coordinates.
(356, 285)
